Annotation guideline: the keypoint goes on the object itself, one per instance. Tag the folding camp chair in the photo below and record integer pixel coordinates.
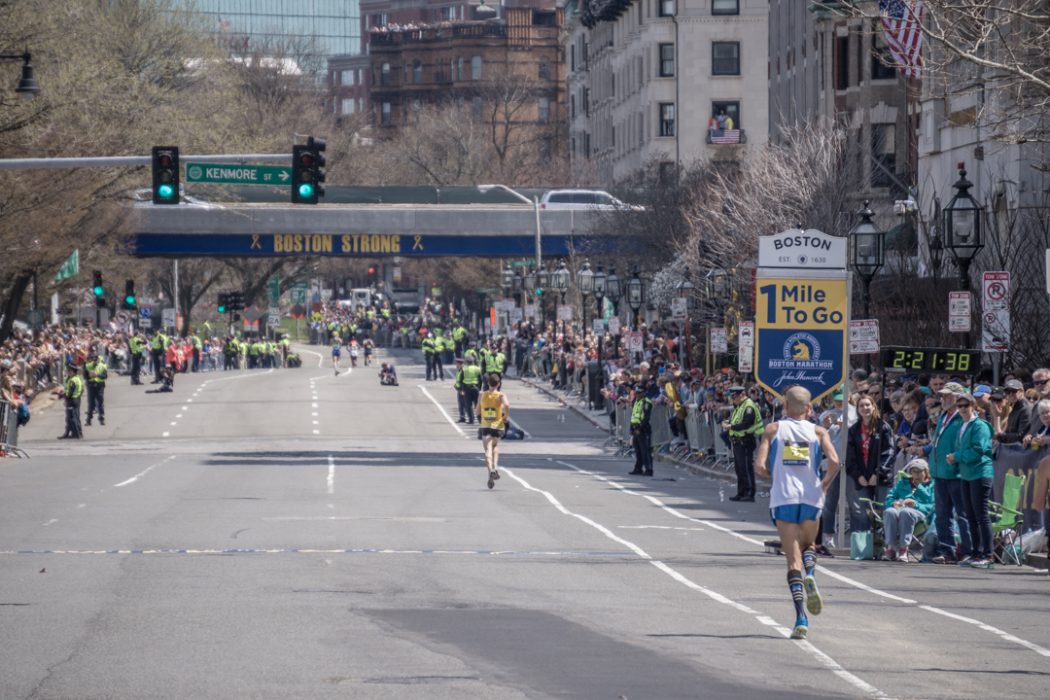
(1007, 520)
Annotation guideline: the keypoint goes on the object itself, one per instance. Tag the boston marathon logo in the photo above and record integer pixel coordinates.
(800, 362)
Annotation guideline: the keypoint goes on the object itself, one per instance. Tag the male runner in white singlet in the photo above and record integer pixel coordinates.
(797, 495)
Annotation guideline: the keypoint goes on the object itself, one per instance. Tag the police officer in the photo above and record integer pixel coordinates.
(641, 430)
(195, 339)
(459, 338)
(471, 386)
(429, 353)
(136, 349)
(73, 389)
(457, 385)
(744, 426)
(157, 347)
(96, 372)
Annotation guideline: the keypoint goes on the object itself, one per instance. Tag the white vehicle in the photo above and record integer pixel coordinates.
(583, 200)
(362, 296)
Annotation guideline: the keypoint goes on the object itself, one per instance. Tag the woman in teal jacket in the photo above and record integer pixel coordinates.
(973, 455)
(909, 503)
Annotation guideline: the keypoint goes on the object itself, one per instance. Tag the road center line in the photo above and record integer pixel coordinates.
(331, 474)
(145, 471)
(822, 658)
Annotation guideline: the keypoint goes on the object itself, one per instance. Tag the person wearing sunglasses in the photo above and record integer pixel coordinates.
(973, 457)
(1041, 383)
(1017, 412)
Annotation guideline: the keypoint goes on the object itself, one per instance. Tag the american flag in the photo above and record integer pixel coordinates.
(725, 135)
(902, 26)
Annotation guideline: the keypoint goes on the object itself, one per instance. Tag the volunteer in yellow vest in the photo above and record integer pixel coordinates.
(642, 430)
(493, 412)
(744, 426)
(73, 389)
(96, 373)
(429, 353)
(136, 349)
(471, 385)
(195, 339)
(157, 347)
(459, 338)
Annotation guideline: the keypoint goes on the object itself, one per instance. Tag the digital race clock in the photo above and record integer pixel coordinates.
(947, 360)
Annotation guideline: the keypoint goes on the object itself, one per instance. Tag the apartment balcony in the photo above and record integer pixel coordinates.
(726, 137)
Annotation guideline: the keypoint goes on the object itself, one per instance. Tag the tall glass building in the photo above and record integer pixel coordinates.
(335, 24)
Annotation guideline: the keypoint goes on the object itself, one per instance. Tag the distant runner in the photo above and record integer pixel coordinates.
(797, 495)
(336, 352)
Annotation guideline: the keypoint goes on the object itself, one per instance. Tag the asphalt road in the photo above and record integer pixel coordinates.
(294, 534)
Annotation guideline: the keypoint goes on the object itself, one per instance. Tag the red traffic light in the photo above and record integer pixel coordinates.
(371, 269)
(306, 160)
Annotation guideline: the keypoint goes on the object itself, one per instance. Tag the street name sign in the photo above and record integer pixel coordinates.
(238, 174)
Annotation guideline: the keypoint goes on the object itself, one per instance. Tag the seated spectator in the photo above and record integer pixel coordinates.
(909, 503)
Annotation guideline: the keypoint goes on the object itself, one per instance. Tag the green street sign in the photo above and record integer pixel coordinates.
(275, 288)
(238, 174)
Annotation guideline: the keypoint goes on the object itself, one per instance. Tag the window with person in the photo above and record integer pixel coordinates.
(725, 115)
(667, 118)
(725, 58)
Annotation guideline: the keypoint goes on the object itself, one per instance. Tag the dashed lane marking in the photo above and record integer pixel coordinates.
(143, 473)
(560, 554)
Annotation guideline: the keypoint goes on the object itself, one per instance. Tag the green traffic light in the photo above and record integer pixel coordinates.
(222, 309)
(165, 191)
(306, 190)
(129, 300)
(539, 291)
(98, 291)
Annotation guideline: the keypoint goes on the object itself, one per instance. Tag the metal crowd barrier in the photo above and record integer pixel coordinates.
(9, 431)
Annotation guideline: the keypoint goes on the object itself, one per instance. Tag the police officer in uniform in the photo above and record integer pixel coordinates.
(457, 386)
(73, 389)
(96, 372)
(642, 431)
(429, 353)
(157, 347)
(744, 426)
(136, 348)
(471, 386)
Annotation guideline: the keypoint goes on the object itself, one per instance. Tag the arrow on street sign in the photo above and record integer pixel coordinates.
(238, 174)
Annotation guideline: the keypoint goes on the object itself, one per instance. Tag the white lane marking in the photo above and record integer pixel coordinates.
(143, 473)
(173, 424)
(52, 521)
(443, 411)
(82, 505)
(331, 474)
(317, 432)
(320, 357)
(823, 566)
(526, 433)
(189, 400)
(313, 405)
(988, 628)
(165, 434)
(316, 422)
(822, 658)
(239, 376)
(660, 527)
(185, 408)
(179, 415)
(313, 414)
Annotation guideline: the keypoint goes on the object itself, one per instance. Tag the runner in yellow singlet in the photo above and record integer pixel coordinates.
(493, 410)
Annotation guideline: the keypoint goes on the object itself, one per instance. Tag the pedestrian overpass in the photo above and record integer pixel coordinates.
(368, 230)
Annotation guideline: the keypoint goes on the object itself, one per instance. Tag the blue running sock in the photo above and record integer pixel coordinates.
(798, 595)
(809, 561)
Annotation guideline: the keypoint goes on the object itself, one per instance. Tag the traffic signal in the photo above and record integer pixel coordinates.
(223, 302)
(97, 289)
(308, 172)
(165, 174)
(235, 301)
(129, 294)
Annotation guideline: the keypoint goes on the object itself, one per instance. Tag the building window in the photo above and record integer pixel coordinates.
(460, 71)
(417, 71)
(387, 111)
(666, 60)
(545, 71)
(476, 108)
(347, 77)
(572, 57)
(725, 58)
(348, 105)
(384, 75)
(666, 8)
(884, 153)
(841, 62)
(666, 110)
(726, 115)
(544, 109)
(572, 106)
(882, 64)
(725, 7)
(475, 68)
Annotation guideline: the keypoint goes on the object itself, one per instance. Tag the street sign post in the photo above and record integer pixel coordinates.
(995, 312)
(719, 341)
(863, 336)
(746, 347)
(959, 312)
(238, 174)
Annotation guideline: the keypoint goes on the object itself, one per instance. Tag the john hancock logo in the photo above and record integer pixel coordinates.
(800, 363)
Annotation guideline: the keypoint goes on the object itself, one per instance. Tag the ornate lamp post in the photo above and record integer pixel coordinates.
(599, 286)
(559, 280)
(635, 295)
(27, 85)
(962, 229)
(585, 283)
(867, 254)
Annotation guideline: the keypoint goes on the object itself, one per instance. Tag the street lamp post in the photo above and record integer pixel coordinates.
(27, 85)
(614, 290)
(635, 296)
(560, 280)
(867, 255)
(962, 230)
(599, 287)
(585, 283)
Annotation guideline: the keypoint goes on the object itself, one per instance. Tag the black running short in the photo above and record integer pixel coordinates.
(492, 432)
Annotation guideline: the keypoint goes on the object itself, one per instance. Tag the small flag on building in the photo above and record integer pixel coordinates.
(902, 27)
(70, 268)
(725, 136)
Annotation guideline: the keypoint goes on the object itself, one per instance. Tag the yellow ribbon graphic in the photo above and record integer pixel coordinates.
(255, 242)
(418, 244)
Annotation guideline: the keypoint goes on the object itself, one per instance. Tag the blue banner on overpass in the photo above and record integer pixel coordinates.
(360, 245)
